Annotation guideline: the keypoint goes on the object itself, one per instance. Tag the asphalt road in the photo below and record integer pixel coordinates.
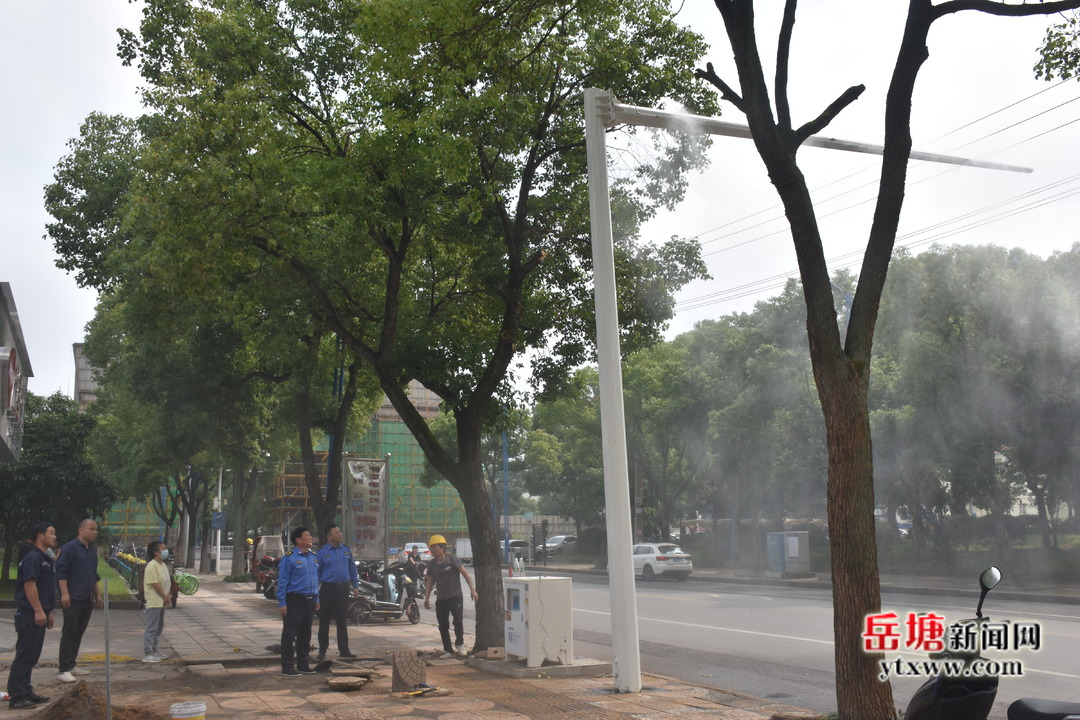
(776, 642)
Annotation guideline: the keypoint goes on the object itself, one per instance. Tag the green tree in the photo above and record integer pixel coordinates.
(1060, 53)
(842, 364)
(55, 478)
(563, 448)
(419, 172)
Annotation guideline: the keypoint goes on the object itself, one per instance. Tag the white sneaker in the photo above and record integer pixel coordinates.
(151, 659)
(459, 650)
(78, 671)
(446, 655)
(66, 677)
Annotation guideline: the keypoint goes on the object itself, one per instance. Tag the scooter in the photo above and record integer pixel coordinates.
(388, 597)
(955, 697)
(950, 697)
(268, 571)
(1036, 709)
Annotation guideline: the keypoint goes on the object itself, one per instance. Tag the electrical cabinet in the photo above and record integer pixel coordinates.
(539, 619)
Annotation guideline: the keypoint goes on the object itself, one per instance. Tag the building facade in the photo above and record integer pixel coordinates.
(15, 370)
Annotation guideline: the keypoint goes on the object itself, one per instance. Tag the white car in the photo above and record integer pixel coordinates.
(425, 551)
(654, 559)
(559, 543)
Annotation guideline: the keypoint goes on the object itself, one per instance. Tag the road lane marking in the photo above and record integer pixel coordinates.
(717, 627)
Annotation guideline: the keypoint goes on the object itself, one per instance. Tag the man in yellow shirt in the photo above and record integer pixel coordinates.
(157, 582)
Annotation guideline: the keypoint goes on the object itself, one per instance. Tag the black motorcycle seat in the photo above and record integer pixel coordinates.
(1038, 709)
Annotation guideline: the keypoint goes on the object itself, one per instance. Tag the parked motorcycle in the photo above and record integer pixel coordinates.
(267, 576)
(387, 594)
(955, 697)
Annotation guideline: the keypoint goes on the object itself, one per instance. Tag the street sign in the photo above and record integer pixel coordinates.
(217, 521)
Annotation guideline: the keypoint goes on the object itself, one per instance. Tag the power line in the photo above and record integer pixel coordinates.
(779, 215)
(1035, 198)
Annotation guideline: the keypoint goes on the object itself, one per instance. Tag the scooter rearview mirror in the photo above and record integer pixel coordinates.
(990, 577)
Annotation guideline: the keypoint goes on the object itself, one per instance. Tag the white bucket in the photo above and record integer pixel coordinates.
(191, 710)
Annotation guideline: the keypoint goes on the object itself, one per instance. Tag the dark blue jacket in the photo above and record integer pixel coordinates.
(78, 565)
(38, 567)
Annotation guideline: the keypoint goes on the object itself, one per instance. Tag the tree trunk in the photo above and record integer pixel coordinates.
(9, 551)
(487, 564)
(243, 490)
(853, 544)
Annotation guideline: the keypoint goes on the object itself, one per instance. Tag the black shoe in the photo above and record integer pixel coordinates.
(23, 704)
(290, 672)
(347, 654)
(306, 671)
(321, 656)
(35, 698)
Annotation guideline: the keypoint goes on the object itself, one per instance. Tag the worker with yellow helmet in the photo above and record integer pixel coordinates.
(444, 574)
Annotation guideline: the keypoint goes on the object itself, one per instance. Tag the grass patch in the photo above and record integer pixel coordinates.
(118, 587)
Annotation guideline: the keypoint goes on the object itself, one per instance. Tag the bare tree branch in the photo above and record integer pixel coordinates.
(725, 90)
(821, 121)
(990, 7)
(783, 57)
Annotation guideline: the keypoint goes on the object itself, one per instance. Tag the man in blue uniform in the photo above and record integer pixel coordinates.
(35, 598)
(76, 571)
(298, 600)
(337, 581)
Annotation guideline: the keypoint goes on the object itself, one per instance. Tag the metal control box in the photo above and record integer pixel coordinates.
(539, 619)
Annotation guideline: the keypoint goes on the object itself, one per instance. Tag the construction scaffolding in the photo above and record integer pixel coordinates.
(415, 512)
(131, 522)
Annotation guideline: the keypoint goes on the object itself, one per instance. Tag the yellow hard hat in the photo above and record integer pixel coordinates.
(437, 540)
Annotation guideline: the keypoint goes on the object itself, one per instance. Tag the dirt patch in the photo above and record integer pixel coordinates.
(83, 703)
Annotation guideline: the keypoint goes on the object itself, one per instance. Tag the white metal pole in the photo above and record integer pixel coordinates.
(626, 658)
(108, 655)
(217, 548)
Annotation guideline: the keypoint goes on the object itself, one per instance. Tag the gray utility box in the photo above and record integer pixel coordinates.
(789, 554)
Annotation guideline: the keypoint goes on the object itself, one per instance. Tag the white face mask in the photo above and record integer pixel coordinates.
(164, 554)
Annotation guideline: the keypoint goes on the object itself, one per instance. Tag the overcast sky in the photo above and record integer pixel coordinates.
(977, 97)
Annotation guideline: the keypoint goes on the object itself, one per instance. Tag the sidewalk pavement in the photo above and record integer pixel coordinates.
(218, 642)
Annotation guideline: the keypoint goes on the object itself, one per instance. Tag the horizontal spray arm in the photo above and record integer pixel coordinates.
(650, 117)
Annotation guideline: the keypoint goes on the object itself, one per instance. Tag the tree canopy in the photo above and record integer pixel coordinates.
(412, 178)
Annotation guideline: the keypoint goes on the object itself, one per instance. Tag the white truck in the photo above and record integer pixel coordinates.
(463, 550)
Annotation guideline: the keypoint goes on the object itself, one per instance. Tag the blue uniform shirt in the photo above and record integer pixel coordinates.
(298, 572)
(78, 565)
(336, 565)
(38, 567)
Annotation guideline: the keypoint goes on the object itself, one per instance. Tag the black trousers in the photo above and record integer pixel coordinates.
(296, 630)
(334, 606)
(30, 639)
(443, 610)
(76, 618)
